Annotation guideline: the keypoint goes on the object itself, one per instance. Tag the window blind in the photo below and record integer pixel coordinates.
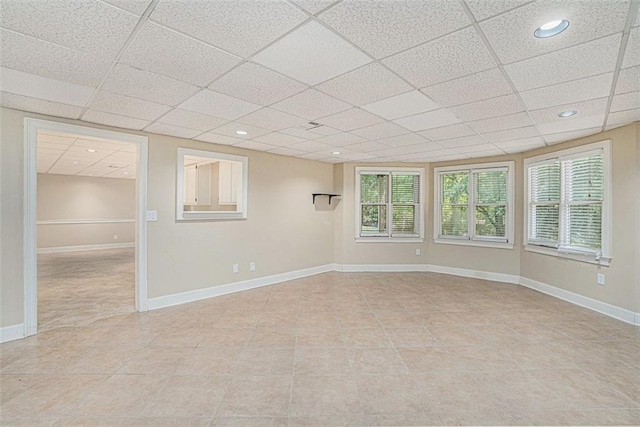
(454, 204)
(544, 203)
(405, 196)
(374, 196)
(490, 201)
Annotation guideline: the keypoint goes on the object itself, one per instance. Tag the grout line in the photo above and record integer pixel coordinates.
(631, 17)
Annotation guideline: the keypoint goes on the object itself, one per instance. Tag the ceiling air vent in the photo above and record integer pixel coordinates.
(309, 126)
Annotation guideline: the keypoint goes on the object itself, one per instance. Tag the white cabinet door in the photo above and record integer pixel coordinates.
(226, 194)
(190, 185)
(204, 185)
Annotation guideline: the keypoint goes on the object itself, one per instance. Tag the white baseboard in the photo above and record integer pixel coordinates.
(80, 248)
(214, 291)
(486, 275)
(381, 267)
(11, 333)
(607, 309)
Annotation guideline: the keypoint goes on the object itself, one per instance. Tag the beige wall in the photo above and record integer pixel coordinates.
(579, 277)
(71, 198)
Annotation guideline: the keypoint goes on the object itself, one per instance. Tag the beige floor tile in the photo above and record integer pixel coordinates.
(210, 361)
(250, 421)
(170, 422)
(455, 335)
(376, 361)
(74, 421)
(188, 396)
(256, 396)
(266, 361)
(397, 319)
(321, 361)
(178, 337)
(390, 394)
(272, 337)
(319, 337)
(324, 395)
(420, 419)
(28, 421)
(411, 337)
(483, 358)
(429, 359)
(358, 319)
(491, 418)
(367, 337)
(448, 392)
(226, 337)
(328, 420)
(594, 417)
(160, 360)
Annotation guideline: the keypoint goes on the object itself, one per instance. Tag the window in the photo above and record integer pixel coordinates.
(210, 185)
(474, 205)
(568, 203)
(389, 204)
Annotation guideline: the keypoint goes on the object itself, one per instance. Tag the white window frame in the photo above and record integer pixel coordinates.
(384, 171)
(602, 257)
(471, 239)
(181, 214)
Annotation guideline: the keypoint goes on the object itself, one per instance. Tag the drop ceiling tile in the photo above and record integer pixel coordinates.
(584, 108)
(114, 103)
(278, 139)
(98, 145)
(257, 84)
(484, 148)
(229, 129)
(482, 85)
(483, 9)
(455, 55)
(45, 59)
(53, 138)
(172, 130)
(431, 119)
(521, 144)
(403, 140)
(44, 88)
(464, 141)
(43, 152)
(521, 148)
(300, 133)
(511, 34)
(130, 148)
(628, 80)
(387, 27)
(153, 87)
(218, 139)
(355, 157)
(311, 54)
(166, 52)
(368, 146)
(284, 151)
(511, 134)
(556, 138)
(566, 64)
(114, 120)
(382, 130)
(354, 118)
(51, 146)
(311, 104)
(191, 120)
(406, 104)
(89, 26)
(365, 85)
(565, 93)
(269, 118)
(500, 106)
(409, 149)
(314, 6)
(335, 159)
(254, 145)
(324, 130)
(485, 153)
(340, 139)
(632, 53)
(312, 156)
(134, 6)
(25, 103)
(240, 27)
(311, 146)
(518, 120)
(447, 132)
(218, 105)
(574, 123)
(626, 101)
(623, 117)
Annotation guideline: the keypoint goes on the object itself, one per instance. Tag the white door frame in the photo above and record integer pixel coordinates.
(30, 267)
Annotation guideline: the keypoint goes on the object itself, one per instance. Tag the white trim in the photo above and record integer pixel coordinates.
(80, 248)
(485, 275)
(471, 239)
(83, 221)
(559, 253)
(30, 192)
(215, 291)
(373, 239)
(12, 333)
(349, 268)
(607, 309)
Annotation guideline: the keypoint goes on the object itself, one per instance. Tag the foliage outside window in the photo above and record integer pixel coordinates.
(389, 203)
(474, 204)
(567, 203)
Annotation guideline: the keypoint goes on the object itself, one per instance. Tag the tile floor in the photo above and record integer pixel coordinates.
(77, 288)
(334, 349)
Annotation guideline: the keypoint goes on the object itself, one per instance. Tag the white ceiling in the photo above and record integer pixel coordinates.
(65, 154)
(388, 80)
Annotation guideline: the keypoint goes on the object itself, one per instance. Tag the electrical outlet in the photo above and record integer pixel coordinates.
(252, 266)
(418, 252)
(600, 279)
(235, 268)
(115, 237)
(152, 215)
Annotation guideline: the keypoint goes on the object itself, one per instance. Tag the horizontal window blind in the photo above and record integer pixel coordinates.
(490, 197)
(544, 203)
(405, 196)
(454, 204)
(374, 196)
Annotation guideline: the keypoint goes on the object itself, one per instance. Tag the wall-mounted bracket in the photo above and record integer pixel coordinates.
(331, 196)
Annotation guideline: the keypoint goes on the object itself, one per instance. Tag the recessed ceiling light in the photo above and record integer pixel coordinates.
(335, 153)
(242, 132)
(567, 113)
(126, 173)
(551, 29)
(91, 150)
(75, 163)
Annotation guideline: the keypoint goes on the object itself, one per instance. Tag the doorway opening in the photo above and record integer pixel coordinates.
(85, 224)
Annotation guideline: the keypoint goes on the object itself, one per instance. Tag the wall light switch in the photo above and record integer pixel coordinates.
(235, 268)
(418, 252)
(152, 215)
(252, 266)
(600, 279)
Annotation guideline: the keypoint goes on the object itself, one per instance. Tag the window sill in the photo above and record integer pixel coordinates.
(389, 239)
(589, 259)
(209, 215)
(477, 243)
